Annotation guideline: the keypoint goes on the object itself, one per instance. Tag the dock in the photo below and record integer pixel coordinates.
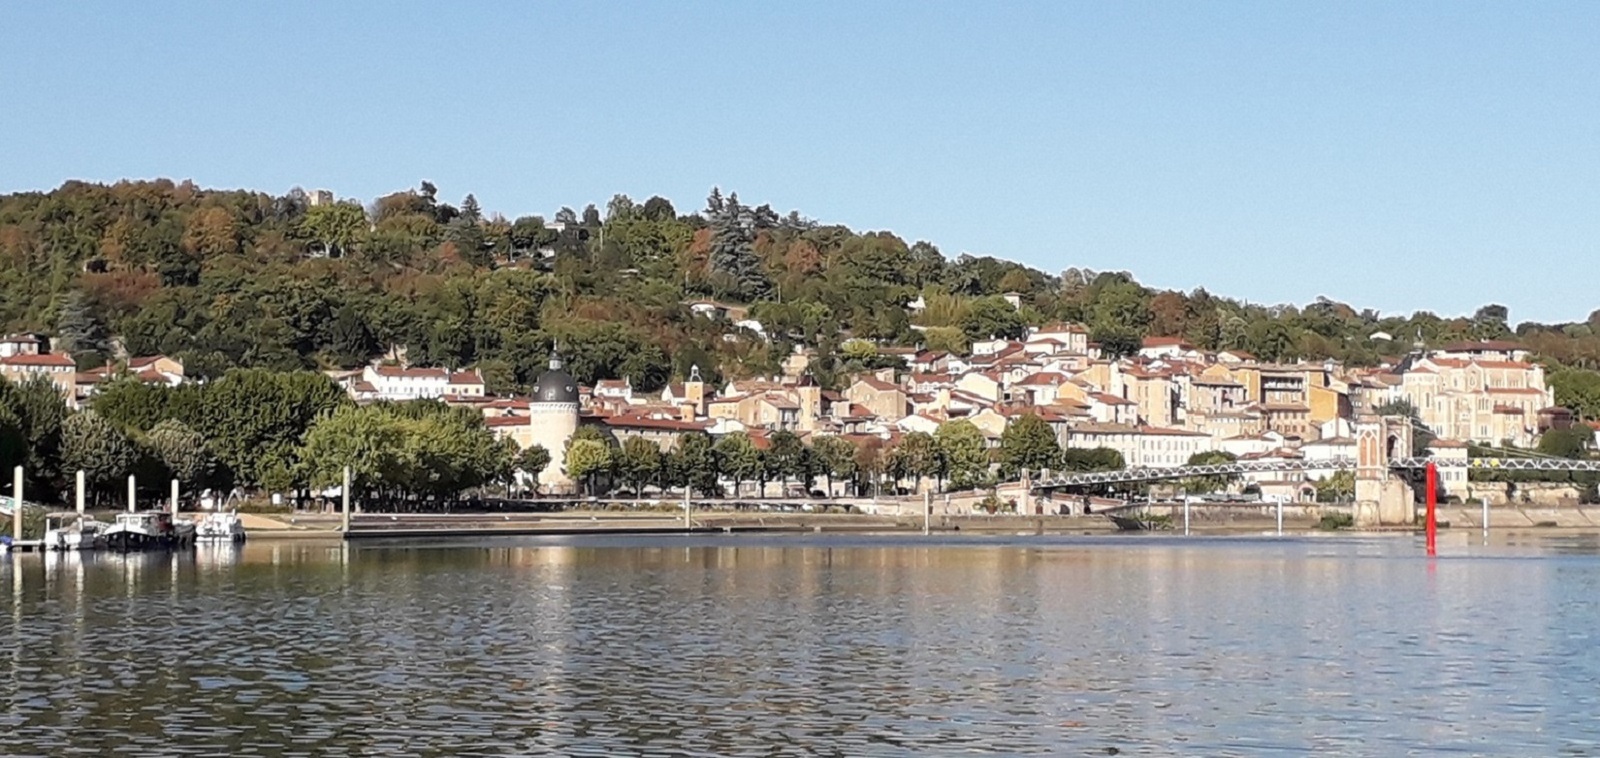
(26, 546)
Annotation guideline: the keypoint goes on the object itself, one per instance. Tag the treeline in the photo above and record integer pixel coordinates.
(257, 430)
(230, 279)
(295, 432)
(956, 457)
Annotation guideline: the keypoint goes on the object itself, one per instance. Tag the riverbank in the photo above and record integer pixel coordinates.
(431, 526)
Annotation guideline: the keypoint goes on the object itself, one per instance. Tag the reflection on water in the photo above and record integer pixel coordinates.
(844, 646)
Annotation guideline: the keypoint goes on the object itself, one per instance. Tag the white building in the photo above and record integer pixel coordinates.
(395, 383)
(1140, 446)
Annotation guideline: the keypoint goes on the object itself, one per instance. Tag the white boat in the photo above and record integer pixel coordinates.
(70, 531)
(149, 529)
(219, 526)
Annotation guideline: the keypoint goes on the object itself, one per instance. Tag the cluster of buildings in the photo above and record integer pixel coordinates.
(27, 356)
(1157, 408)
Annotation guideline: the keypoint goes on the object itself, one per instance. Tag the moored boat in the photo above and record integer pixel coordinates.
(71, 531)
(144, 530)
(220, 526)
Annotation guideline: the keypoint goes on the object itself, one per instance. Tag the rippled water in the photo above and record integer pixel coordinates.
(817, 645)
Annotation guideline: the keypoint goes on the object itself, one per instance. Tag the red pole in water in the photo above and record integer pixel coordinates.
(1433, 502)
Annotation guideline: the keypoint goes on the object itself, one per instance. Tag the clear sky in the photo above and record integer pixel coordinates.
(1402, 156)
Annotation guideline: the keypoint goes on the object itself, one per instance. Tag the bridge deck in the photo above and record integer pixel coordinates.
(1150, 474)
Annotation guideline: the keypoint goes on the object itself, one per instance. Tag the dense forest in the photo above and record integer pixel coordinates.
(225, 279)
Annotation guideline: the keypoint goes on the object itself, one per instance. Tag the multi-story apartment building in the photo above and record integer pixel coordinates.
(1140, 446)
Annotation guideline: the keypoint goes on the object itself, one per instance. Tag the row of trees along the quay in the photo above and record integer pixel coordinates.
(956, 457)
(295, 432)
(251, 431)
(227, 279)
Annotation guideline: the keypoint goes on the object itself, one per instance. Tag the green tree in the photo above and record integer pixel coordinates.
(183, 455)
(639, 463)
(733, 257)
(787, 458)
(585, 459)
(1567, 443)
(738, 459)
(946, 338)
(918, 456)
(1214, 482)
(37, 413)
(79, 333)
(136, 406)
(532, 461)
(1028, 444)
(836, 458)
(1340, 487)
(1092, 459)
(992, 317)
(1578, 390)
(335, 228)
(254, 416)
(13, 440)
(694, 464)
(367, 440)
(447, 451)
(965, 453)
(99, 449)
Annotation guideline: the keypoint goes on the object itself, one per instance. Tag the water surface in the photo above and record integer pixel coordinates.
(818, 645)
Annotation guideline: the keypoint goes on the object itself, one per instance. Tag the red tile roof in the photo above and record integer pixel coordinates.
(1494, 346)
(878, 384)
(43, 359)
(661, 424)
(397, 372)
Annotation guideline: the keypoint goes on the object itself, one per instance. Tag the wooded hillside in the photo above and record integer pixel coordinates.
(234, 278)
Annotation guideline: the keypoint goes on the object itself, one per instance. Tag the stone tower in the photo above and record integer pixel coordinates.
(552, 418)
(694, 391)
(1382, 499)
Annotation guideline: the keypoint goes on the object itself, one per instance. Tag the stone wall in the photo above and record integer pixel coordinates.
(1525, 493)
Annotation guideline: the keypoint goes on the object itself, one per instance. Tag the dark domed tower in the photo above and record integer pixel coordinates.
(553, 417)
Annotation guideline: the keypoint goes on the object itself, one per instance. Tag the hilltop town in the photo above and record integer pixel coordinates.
(776, 337)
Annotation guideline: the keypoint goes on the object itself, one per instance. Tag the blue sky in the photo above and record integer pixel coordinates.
(1400, 156)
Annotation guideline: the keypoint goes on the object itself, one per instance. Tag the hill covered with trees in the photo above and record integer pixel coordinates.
(225, 279)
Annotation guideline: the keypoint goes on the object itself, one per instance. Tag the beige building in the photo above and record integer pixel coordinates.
(58, 368)
(1140, 446)
(886, 401)
(1482, 399)
(1155, 393)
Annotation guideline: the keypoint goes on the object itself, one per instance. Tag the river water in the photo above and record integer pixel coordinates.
(816, 645)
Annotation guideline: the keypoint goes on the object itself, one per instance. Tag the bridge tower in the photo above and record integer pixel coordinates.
(1382, 499)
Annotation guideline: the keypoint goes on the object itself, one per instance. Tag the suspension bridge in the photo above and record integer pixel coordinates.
(1064, 480)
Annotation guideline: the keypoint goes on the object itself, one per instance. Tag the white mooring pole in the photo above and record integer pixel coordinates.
(1186, 515)
(16, 504)
(927, 512)
(133, 498)
(82, 482)
(344, 502)
(174, 500)
(1485, 502)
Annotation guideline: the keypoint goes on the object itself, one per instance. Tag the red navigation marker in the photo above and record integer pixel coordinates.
(1433, 505)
